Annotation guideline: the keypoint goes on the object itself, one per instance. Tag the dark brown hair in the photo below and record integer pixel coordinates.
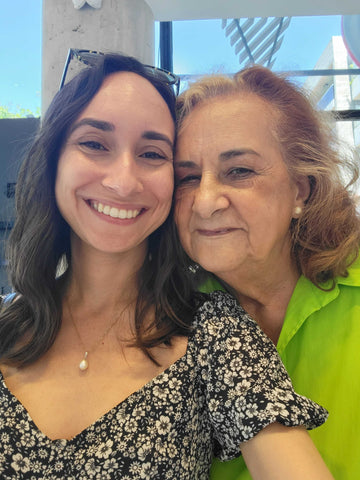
(40, 239)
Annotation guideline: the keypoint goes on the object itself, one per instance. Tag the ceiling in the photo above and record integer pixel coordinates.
(166, 10)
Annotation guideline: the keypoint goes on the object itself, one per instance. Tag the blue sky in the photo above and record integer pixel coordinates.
(199, 47)
(20, 53)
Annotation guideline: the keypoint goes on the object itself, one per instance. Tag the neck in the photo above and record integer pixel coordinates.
(99, 301)
(265, 294)
(101, 281)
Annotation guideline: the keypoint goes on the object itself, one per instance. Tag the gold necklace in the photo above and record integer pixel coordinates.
(84, 364)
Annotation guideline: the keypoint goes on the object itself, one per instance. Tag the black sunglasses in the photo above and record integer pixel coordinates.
(90, 57)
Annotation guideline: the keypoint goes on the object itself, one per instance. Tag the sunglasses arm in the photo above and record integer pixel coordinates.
(67, 63)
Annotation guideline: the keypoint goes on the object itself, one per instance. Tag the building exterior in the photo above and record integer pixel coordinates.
(15, 135)
(337, 92)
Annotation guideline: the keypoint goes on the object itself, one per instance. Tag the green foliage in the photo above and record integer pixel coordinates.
(19, 112)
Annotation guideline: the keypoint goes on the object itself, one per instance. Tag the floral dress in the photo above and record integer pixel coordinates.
(228, 386)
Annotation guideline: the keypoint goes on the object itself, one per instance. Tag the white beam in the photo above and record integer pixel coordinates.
(167, 10)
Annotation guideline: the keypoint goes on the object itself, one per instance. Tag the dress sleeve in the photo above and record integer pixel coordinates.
(246, 385)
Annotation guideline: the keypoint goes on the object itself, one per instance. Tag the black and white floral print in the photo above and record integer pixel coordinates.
(227, 387)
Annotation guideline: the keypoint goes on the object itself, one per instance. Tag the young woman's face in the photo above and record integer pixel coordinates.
(235, 198)
(114, 179)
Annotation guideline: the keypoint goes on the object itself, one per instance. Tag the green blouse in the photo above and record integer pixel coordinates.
(320, 347)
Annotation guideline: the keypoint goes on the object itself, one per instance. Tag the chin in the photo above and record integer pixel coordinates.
(213, 267)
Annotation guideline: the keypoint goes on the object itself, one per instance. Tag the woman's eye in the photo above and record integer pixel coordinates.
(93, 145)
(154, 155)
(188, 179)
(240, 172)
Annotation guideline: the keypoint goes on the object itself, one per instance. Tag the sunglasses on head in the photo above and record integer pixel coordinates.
(90, 57)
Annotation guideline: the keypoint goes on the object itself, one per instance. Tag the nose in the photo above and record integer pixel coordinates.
(210, 196)
(123, 176)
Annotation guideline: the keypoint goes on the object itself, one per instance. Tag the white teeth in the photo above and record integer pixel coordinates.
(114, 212)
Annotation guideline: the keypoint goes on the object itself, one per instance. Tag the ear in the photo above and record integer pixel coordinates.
(302, 189)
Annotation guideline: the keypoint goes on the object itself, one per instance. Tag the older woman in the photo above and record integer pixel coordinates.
(114, 369)
(262, 204)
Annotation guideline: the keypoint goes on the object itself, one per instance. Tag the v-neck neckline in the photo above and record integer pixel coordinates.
(137, 393)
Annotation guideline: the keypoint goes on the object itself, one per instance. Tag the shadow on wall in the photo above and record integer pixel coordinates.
(15, 136)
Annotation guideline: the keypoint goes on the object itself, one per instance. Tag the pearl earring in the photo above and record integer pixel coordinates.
(297, 210)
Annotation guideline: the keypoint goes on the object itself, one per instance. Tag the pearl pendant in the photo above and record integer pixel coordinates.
(83, 365)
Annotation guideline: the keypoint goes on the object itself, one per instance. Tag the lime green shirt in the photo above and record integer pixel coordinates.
(320, 347)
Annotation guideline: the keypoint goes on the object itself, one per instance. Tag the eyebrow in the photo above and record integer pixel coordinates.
(110, 127)
(228, 155)
(236, 153)
(92, 122)
(151, 135)
(185, 164)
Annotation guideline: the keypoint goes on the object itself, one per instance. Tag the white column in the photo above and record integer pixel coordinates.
(125, 26)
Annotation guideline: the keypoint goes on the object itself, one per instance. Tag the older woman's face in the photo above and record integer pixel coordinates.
(235, 198)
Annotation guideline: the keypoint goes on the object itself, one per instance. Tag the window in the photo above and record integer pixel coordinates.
(10, 190)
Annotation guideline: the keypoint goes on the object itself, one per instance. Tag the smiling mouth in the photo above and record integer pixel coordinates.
(213, 233)
(114, 212)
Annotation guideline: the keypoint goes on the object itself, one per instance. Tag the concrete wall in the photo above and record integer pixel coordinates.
(15, 136)
(125, 26)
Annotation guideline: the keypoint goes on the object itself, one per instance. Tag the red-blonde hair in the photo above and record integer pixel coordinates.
(325, 239)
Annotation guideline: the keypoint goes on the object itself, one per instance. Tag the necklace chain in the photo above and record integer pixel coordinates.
(84, 364)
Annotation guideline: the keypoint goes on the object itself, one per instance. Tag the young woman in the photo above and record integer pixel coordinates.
(112, 368)
(262, 203)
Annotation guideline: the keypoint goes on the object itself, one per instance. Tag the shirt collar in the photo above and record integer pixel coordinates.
(307, 299)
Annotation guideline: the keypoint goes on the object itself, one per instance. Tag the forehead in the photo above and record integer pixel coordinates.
(227, 128)
(235, 114)
(126, 88)
(128, 83)
(128, 97)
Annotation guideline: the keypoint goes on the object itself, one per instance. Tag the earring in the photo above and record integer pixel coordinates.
(298, 210)
(193, 268)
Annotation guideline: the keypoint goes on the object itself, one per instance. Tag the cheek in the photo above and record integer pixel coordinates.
(60, 188)
(63, 190)
(177, 220)
(179, 211)
(63, 197)
(163, 188)
(65, 176)
(182, 216)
